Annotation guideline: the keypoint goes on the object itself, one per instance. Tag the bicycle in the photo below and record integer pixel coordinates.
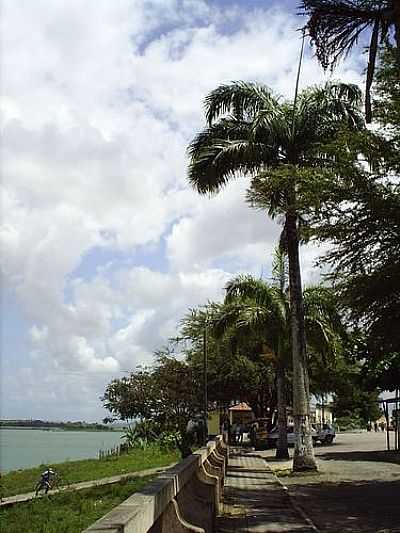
(48, 481)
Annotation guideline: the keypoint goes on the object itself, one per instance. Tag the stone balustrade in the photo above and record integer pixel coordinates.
(184, 498)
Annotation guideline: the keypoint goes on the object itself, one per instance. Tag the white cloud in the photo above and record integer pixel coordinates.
(222, 227)
(99, 101)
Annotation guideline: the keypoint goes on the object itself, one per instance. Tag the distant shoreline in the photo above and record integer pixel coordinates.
(63, 428)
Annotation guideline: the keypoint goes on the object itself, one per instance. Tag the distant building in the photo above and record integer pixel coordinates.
(321, 414)
(241, 413)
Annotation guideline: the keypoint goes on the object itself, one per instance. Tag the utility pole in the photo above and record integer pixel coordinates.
(205, 369)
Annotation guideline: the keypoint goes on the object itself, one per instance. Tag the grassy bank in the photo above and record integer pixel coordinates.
(21, 481)
(68, 512)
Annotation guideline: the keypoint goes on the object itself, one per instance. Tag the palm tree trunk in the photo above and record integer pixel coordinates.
(396, 17)
(373, 49)
(282, 445)
(303, 458)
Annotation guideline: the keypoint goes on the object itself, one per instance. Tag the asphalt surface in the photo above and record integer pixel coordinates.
(357, 488)
(350, 442)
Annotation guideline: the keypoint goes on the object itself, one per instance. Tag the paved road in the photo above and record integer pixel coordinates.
(350, 442)
(357, 488)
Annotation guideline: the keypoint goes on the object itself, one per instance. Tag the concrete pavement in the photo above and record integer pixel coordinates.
(254, 499)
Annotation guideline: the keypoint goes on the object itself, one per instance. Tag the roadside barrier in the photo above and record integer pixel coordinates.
(184, 498)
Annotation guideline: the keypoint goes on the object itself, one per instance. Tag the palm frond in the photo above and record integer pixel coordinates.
(280, 269)
(272, 124)
(335, 25)
(240, 99)
(321, 304)
(323, 111)
(224, 151)
(249, 288)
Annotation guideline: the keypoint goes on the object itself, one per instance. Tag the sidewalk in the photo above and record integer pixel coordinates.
(20, 498)
(254, 500)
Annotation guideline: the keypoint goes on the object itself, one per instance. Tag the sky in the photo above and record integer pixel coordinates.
(104, 245)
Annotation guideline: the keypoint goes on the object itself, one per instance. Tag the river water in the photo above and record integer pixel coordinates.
(24, 448)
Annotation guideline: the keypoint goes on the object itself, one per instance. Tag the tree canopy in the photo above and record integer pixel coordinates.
(169, 394)
(335, 26)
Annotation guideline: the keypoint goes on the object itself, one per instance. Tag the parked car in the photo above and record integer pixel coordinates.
(273, 435)
(262, 438)
(324, 434)
(258, 433)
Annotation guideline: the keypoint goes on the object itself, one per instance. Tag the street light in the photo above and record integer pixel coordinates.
(205, 380)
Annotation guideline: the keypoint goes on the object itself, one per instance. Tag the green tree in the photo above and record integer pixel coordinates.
(387, 105)
(234, 369)
(360, 219)
(253, 307)
(335, 27)
(352, 399)
(262, 309)
(253, 133)
(167, 396)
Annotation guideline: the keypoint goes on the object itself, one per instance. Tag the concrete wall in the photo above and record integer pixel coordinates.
(185, 498)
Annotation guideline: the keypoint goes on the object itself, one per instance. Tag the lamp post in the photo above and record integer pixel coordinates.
(205, 364)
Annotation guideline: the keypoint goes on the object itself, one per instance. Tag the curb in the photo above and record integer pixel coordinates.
(294, 504)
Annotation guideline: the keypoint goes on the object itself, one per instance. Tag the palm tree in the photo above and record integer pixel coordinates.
(335, 26)
(257, 307)
(279, 145)
(234, 369)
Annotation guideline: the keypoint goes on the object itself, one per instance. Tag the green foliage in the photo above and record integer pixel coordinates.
(165, 397)
(255, 306)
(131, 397)
(352, 397)
(387, 104)
(142, 433)
(383, 372)
(335, 27)
(250, 131)
(68, 512)
(234, 371)
(359, 216)
(349, 423)
(167, 441)
(249, 333)
(21, 481)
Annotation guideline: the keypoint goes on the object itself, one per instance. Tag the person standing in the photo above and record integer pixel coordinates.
(225, 429)
(241, 432)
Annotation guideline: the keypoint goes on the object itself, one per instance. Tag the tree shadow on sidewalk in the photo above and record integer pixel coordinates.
(362, 506)
(380, 456)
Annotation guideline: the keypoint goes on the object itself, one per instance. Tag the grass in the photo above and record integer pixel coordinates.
(20, 481)
(68, 512)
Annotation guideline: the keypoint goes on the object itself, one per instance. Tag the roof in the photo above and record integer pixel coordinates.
(240, 407)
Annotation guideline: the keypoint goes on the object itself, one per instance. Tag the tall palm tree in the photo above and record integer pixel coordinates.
(335, 26)
(251, 132)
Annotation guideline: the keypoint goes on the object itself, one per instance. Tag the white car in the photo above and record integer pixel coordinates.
(321, 436)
